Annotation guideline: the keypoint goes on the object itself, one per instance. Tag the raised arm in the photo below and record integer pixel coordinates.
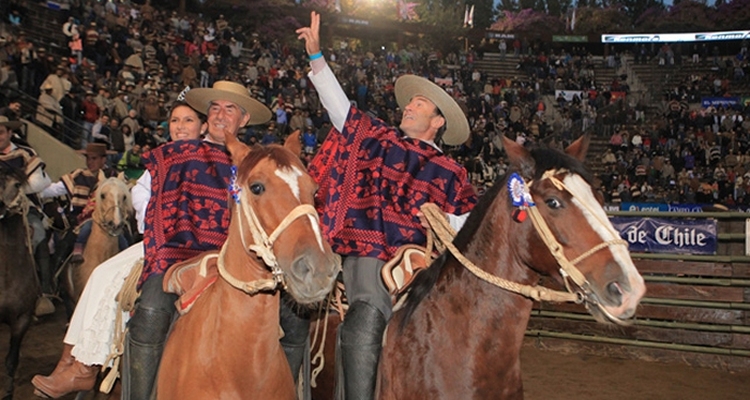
(331, 94)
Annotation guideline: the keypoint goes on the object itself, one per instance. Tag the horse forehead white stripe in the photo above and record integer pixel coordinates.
(318, 234)
(291, 177)
(585, 200)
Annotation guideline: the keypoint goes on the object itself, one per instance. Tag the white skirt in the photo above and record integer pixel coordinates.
(92, 327)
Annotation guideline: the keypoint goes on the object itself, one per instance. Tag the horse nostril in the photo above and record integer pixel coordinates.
(614, 293)
(301, 269)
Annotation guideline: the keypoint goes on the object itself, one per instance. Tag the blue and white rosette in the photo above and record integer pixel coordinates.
(234, 188)
(519, 193)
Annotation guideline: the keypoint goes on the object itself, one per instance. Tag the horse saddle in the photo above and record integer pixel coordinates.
(399, 272)
(397, 275)
(190, 279)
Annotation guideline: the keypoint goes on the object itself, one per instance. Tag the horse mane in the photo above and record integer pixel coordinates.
(545, 159)
(7, 170)
(283, 158)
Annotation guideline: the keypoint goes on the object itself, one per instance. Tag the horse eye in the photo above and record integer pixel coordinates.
(17, 185)
(553, 203)
(257, 188)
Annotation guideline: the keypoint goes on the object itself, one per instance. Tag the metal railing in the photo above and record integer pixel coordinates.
(64, 129)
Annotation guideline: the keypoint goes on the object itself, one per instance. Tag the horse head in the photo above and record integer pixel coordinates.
(584, 251)
(114, 206)
(12, 195)
(273, 205)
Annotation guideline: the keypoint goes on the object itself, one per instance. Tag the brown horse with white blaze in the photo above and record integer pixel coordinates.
(19, 288)
(459, 336)
(227, 345)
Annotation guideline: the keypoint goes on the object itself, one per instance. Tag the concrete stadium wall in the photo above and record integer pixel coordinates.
(60, 158)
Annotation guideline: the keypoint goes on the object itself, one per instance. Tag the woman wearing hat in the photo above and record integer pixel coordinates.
(373, 179)
(89, 337)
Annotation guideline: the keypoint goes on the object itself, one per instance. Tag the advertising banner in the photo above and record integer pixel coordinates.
(674, 37)
(500, 35)
(720, 101)
(661, 235)
(570, 38)
(663, 207)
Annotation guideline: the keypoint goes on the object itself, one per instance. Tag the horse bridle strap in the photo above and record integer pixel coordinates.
(262, 245)
(20, 205)
(251, 287)
(97, 217)
(568, 268)
(445, 234)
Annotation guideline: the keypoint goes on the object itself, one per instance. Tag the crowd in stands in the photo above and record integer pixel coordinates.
(127, 64)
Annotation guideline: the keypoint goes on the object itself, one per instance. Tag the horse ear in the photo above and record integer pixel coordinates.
(121, 176)
(580, 147)
(101, 177)
(517, 155)
(237, 149)
(293, 143)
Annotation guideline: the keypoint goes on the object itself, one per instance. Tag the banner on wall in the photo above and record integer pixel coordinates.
(661, 235)
(720, 101)
(674, 37)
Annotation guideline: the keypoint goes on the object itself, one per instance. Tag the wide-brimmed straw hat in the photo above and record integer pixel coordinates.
(201, 99)
(4, 121)
(456, 125)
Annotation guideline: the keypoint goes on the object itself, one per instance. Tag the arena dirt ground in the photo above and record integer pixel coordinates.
(548, 375)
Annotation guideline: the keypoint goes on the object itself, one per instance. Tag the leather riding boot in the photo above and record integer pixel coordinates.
(144, 342)
(140, 365)
(75, 378)
(296, 331)
(361, 342)
(66, 360)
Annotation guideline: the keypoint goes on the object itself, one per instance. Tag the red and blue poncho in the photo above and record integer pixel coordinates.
(188, 212)
(373, 181)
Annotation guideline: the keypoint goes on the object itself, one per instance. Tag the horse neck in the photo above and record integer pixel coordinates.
(14, 230)
(240, 310)
(497, 247)
(500, 245)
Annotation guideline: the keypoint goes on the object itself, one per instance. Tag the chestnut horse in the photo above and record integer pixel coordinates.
(112, 211)
(459, 335)
(227, 345)
(19, 288)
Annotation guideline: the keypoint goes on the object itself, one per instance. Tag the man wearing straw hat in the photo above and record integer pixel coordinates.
(373, 179)
(168, 240)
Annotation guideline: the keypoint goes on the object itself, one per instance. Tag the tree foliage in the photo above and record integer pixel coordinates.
(733, 15)
(635, 8)
(590, 20)
(530, 23)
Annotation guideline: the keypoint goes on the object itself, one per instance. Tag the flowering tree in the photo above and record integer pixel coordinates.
(528, 22)
(732, 15)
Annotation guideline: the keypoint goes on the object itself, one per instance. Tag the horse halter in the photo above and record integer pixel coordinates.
(262, 244)
(97, 218)
(19, 205)
(568, 269)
